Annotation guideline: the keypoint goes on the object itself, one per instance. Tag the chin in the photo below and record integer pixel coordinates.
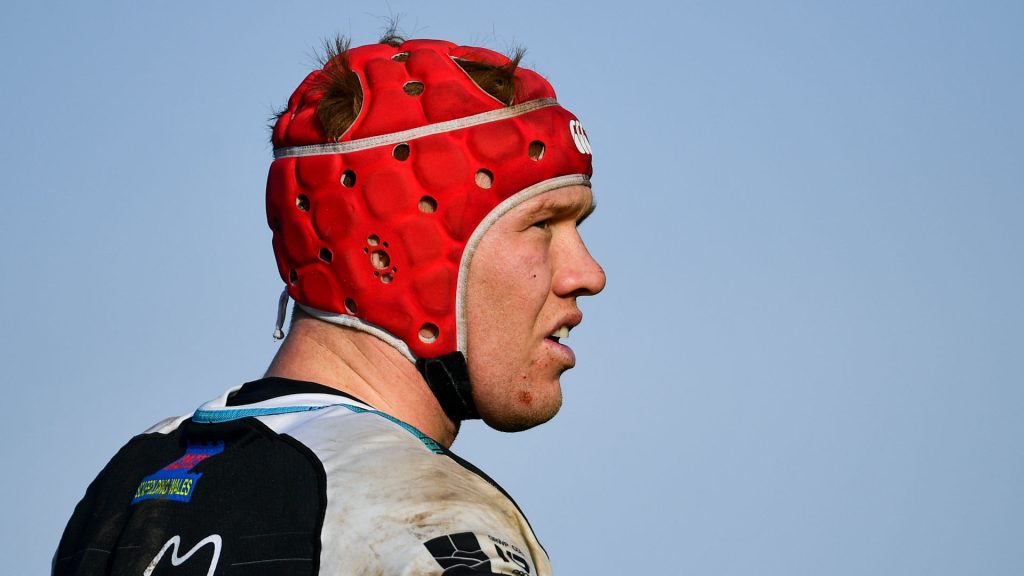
(521, 409)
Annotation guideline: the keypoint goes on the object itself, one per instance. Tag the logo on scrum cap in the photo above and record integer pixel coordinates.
(579, 136)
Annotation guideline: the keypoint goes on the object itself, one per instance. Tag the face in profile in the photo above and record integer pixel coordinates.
(524, 279)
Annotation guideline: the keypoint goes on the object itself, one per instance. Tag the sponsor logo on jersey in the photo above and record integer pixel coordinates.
(175, 542)
(176, 481)
(479, 553)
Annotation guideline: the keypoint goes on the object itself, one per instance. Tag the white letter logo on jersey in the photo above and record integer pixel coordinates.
(176, 560)
(579, 137)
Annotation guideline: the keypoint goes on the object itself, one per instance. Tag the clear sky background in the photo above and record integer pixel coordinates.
(810, 355)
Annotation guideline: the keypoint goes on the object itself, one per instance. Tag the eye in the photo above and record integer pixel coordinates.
(542, 224)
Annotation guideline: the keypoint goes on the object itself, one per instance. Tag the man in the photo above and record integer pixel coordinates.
(424, 200)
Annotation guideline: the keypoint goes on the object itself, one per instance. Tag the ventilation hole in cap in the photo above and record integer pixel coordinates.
(326, 255)
(484, 178)
(536, 150)
(394, 268)
(385, 244)
(413, 88)
(373, 240)
(400, 57)
(428, 333)
(302, 202)
(350, 306)
(293, 276)
(401, 152)
(380, 259)
(387, 278)
(348, 178)
(428, 205)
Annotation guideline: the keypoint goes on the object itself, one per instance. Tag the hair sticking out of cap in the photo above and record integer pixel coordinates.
(342, 93)
(498, 81)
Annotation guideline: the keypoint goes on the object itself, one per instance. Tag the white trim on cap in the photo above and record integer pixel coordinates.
(419, 132)
(485, 225)
(353, 322)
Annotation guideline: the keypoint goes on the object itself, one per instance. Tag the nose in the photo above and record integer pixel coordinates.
(578, 273)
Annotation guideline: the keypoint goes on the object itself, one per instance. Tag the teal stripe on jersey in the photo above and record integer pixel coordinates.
(218, 416)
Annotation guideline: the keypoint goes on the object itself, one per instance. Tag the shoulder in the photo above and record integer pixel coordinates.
(397, 501)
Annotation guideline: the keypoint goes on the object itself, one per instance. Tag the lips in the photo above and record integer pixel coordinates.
(564, 326)
(564, 353)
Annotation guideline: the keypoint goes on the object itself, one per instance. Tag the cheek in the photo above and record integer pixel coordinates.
(507, 289)
(527, 281)
(511, 290)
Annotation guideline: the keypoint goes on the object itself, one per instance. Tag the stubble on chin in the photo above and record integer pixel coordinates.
(523, 407)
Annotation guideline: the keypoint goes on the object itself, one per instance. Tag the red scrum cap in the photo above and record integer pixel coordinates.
(376, 229)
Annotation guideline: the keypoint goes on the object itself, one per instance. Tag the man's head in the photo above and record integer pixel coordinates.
(396, 168)
(527, 273)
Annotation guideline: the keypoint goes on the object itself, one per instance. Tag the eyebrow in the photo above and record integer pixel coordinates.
(550, 208)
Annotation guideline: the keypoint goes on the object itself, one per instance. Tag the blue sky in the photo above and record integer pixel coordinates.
(810, 355)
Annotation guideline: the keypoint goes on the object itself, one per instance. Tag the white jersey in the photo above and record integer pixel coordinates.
(306, 482)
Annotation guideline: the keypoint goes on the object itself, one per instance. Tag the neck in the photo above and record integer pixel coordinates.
(366, 367)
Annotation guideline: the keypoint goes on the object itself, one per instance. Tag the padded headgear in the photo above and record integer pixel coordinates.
(376, 229)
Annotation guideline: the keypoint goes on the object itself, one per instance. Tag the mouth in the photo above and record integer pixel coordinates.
(567, 358)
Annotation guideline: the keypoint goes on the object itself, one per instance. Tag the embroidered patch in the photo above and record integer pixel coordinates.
(175, 481)
(469, 553)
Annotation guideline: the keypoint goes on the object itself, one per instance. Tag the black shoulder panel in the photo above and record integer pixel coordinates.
(234, 497)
